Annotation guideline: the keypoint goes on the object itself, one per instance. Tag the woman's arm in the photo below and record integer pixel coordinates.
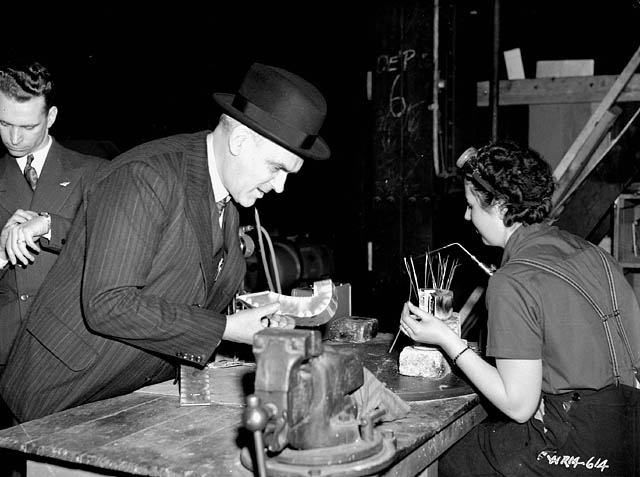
(513, 385)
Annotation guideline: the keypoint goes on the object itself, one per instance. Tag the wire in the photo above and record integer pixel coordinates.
(274, 261)
(262, 254)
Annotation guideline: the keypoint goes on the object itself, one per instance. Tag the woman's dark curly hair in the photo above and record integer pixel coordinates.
(512, 175)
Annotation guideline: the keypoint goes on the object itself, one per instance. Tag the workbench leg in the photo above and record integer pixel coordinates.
(431, 471)
(39, 469)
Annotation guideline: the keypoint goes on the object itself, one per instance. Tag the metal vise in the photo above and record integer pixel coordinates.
(302, 386)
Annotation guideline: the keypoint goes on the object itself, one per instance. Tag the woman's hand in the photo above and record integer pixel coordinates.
(423, 327)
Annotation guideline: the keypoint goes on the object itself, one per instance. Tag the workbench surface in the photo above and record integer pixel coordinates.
(149, 433)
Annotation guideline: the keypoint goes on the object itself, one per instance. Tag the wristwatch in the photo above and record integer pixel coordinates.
(48, 217)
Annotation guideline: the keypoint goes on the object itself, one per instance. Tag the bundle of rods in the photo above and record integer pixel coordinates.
(439, 275)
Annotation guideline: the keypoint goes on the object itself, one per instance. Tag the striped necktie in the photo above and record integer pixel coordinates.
(221, 204)
(30, 173)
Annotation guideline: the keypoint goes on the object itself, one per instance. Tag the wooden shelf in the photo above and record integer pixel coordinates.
(630, 265)
(626, 230)
(563, 90)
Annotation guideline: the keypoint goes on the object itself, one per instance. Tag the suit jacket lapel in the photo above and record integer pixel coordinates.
(14, 189)
(198, 211)
(57, 181)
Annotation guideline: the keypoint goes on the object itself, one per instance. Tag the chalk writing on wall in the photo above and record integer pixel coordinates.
(402, 113)
(395, 64)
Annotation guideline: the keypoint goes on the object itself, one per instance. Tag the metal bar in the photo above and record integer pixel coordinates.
(494, 92)
(435, 108)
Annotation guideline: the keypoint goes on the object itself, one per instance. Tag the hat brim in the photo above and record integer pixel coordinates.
(318, 151)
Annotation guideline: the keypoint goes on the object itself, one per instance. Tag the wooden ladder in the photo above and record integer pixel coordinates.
(579, 161)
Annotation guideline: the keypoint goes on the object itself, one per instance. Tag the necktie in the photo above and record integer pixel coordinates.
(221, 204)
(30, 173)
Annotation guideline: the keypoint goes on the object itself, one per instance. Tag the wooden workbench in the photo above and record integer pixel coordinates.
(149, 433)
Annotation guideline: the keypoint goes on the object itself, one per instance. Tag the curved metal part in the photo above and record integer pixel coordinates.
(313, 310)
(353, 460)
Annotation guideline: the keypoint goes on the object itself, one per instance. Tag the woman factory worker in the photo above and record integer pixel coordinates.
(563, 335)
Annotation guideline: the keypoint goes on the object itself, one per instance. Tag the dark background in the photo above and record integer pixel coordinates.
(128, 76)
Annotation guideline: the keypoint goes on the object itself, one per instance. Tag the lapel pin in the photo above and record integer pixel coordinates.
(65, 184)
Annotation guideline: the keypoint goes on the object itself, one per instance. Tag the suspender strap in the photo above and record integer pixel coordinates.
(603, 316)
(616, 308)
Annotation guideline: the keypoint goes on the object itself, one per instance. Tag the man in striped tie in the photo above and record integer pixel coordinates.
(150, 266)
(41, 186)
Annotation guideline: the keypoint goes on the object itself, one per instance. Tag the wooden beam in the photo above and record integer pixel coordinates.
(586, 208)
(585, 160)
(573, 160)
(573, 89)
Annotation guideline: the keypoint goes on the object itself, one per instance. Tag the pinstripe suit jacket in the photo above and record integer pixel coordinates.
(146, 296)
(60, 187)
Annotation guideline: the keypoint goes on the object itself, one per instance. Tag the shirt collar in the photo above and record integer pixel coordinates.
(220, 192)
(39, 157)
(521, 238)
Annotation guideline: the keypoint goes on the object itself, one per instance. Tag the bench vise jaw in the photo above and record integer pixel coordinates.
(304, 387)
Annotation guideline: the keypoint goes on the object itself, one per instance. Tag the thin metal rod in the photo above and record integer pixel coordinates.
(495, 66)
(435, 108)
(260, 460)
(394, 341)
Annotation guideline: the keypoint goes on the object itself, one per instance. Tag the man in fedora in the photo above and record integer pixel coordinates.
(150, 264)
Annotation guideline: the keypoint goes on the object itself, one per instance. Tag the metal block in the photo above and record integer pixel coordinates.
(352, 329)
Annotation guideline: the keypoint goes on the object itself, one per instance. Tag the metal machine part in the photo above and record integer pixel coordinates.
(247, 244)
(303, 413)
(312, 310)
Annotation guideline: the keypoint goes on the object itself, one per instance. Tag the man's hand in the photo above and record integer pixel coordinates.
(19, 236)
(278, 321)
(242, 325)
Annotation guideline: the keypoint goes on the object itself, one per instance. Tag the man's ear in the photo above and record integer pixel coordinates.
(51, 116)
(239, 137)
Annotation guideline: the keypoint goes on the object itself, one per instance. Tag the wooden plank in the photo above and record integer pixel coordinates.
(467, 325)
(544, 134)
(38, 469)
(564, 68)
(577, 89)
(568, 164)
(156, 440)
(585, 160)
(384, 365)
(32, 431)
(427, 453)
(586, 209)
(147, 434)
(554, 127)
(153, 435)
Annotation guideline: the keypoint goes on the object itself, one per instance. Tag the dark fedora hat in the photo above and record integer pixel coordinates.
(282, 107)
